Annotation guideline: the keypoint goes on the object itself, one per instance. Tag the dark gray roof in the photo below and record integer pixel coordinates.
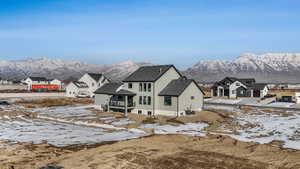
(111, 89)
(124, 92)
(148, 73)
(95, 76)
(80, 84)
(38, 78)
(176, 87)
(108, 88)
(258, 86)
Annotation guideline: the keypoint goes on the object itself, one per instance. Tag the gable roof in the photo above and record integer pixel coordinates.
(38, 78)
(259, 86)
(149, 73)
(80, 84)
(95, 76)
(112, 89)
(177, 87)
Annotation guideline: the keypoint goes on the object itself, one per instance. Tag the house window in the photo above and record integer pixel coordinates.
(149, 87)
(149, 100)
(192, 97)
(145, 87)
(149, 113)
(145, 100)
(129, 85)
(141, 87)
(93, 84)
(139, 111)
(141, 100)
(242, 91)
(168, 100)
(233, 92)
(238, 84)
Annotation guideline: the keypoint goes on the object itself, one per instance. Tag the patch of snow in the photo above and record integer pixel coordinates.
(59, 134)
(194, 129)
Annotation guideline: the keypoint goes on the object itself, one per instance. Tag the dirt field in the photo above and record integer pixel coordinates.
(155, 152)
(197, 141)
(51, 102)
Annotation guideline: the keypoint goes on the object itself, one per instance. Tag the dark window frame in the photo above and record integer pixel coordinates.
(149, 100)
(149, 87)
(168, 100)
(141, 100)
(130, 85)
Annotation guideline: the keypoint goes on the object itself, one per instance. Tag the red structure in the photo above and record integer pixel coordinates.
(44, 87)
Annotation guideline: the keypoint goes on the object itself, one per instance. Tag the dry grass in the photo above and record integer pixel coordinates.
(53, 102)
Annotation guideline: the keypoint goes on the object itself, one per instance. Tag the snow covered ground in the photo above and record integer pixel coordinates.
(224, 101)
(248, 101)
(71, 125)
(59, 134)
(194, 129)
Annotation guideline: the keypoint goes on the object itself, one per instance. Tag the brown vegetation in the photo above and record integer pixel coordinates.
(158, 152)
(50, 102)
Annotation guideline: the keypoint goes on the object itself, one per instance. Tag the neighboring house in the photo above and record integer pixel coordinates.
(92, 80)
(56, 82)
(75, 88)
(41, 84)
(152, 90)
(236, 87)
(297, 97)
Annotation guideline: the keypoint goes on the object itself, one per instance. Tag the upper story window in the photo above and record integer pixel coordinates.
(141, 87)
(93, 84)
(238, 84)
(168, 100)
(129, 85)
(192, 97)
(149, 87)
(149, 100)
(145, 87)
(145, 100)
(141, 100)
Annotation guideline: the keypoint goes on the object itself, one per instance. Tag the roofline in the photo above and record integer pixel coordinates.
(192, 80)
(157, 77)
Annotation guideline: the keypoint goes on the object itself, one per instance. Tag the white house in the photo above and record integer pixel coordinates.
(152, 90)
(297, 97)
(56, 82)
(75, 88)
(35, 81)
(93, 81)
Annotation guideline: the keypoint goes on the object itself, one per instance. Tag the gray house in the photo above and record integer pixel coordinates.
(152, 90)
(237, 87)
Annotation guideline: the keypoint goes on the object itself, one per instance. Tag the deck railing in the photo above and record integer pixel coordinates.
(121, 104)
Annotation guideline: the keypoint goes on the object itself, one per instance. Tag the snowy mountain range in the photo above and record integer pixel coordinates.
(269, 67)
(63, 70)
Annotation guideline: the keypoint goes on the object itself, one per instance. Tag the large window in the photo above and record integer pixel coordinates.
(168, 100)
(129, 85)
(149, 100)
(145, 100)
(141, 87)
(149, 87)
(145, 87)
(141, 100)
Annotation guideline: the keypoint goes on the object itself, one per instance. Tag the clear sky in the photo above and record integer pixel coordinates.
(181, 32)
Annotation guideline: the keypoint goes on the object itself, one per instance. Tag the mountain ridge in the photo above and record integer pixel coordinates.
(268, 67)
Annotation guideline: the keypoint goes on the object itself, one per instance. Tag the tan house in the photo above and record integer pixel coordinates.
(152, 90)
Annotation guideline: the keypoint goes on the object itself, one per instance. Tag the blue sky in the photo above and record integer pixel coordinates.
(159, 31)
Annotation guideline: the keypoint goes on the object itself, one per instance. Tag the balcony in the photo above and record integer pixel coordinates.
(121, 104)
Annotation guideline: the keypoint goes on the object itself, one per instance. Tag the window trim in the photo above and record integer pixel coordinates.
(149, 87)
(168, 100)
